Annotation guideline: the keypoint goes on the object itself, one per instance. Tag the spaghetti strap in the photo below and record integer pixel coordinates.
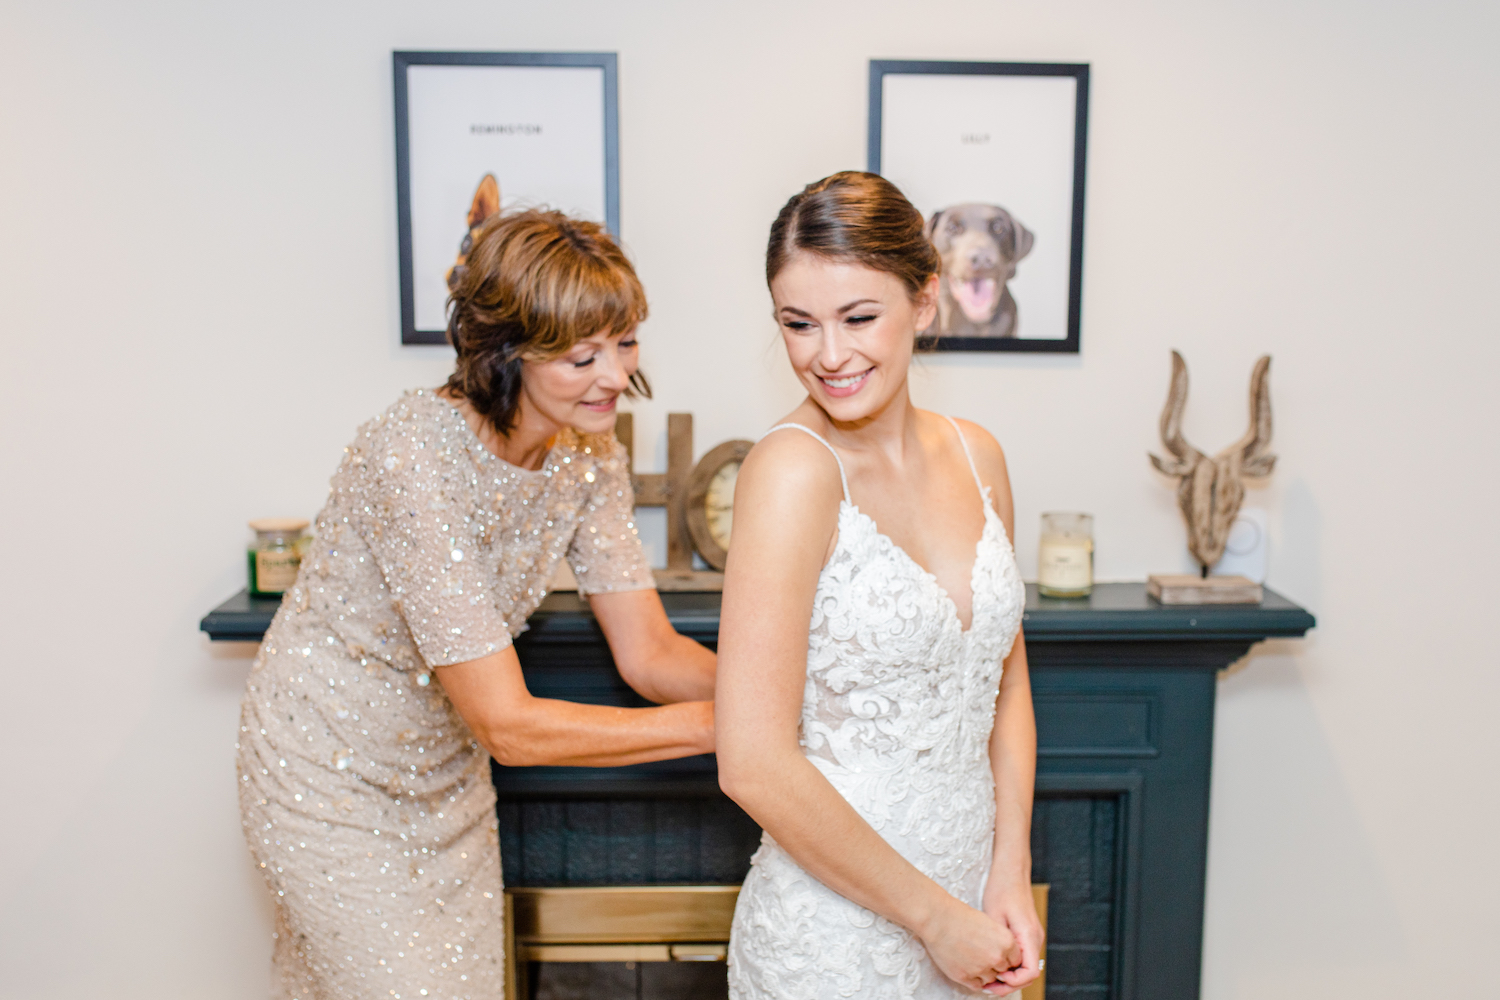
(817, 437)
(967, 454)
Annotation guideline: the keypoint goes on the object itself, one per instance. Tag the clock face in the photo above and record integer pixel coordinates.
(718, 503)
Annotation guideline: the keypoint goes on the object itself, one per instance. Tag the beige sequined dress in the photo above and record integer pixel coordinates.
(366, 801)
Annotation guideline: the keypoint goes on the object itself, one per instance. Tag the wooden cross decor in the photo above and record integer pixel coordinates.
(670, 490)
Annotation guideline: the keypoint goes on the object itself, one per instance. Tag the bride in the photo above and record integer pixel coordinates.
(874, 712)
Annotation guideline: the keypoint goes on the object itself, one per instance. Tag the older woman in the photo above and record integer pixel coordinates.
(388, 678)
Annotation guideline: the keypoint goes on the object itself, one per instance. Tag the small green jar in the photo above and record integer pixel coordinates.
(276, 555)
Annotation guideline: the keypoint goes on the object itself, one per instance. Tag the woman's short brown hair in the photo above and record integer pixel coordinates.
(536, 283)
(857, 217)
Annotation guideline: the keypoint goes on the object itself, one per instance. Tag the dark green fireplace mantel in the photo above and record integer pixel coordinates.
(1115, 611)
(1124, 691)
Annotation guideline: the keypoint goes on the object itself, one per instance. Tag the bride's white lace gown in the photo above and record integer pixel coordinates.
(897, 714)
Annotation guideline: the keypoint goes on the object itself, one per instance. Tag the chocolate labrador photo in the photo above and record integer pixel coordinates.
(980, 246)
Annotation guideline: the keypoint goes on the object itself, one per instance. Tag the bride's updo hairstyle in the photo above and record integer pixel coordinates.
(536, 283)
(859, 218)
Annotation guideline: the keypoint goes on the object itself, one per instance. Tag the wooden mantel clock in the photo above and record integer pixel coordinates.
(699, 501)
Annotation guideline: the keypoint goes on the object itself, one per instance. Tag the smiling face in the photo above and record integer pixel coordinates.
(849, 332)
(580, 388)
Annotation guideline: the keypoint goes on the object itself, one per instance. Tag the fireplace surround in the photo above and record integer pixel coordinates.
(1124, 691)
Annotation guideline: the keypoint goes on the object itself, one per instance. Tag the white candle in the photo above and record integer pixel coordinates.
(1065, 560)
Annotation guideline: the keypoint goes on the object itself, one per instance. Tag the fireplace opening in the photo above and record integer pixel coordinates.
(596, 903)
(1075, 848)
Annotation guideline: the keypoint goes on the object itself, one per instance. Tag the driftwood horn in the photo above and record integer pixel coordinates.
(1185, 456)
(1210, 490)
(1256, 459)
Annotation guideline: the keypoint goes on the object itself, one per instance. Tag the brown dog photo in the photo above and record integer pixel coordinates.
(980, 246)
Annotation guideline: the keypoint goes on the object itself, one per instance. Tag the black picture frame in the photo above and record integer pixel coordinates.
(881, 69)
(402, 62)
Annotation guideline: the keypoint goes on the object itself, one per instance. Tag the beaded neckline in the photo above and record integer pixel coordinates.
(477, 446)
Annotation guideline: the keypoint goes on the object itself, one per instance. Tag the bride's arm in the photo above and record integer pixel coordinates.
(785, 517)
(1007, 894)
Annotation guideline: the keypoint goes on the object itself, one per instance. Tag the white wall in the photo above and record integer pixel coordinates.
(198, 299)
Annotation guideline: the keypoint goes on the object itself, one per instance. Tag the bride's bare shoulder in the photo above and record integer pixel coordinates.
(796, 464)
(786, 507)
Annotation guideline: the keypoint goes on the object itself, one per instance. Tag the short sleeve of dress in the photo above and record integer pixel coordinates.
(420, 529)
(606, 554)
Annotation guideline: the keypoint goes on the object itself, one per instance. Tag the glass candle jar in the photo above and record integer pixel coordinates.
(276, 554)
(1065, 562)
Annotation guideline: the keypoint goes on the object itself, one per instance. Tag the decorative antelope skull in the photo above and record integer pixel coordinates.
(1211, 490)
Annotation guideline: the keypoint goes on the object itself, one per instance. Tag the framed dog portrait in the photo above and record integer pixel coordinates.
(992, 154)
(478, 132)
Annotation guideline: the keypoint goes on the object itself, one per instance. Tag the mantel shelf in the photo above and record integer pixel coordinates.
(1115, 612)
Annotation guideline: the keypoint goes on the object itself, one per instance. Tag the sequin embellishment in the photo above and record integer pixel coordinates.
(366, 801)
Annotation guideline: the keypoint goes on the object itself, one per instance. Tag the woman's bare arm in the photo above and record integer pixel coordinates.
(1007, 894)
(520, 730)
(786, 509)
(659, 663)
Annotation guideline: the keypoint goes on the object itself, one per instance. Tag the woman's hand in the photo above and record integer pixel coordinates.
(971, 948)
(1013, 907)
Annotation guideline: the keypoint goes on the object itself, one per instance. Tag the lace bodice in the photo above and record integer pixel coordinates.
(897, 714)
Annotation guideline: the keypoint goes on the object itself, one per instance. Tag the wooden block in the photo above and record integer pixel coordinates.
(625, 434)
(688, 580)
(512, 982)
(1184, 588)
(679, 468)
(623, 914)
(1038, 989)
(651, 489)
(669, 490)
(597, 952)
